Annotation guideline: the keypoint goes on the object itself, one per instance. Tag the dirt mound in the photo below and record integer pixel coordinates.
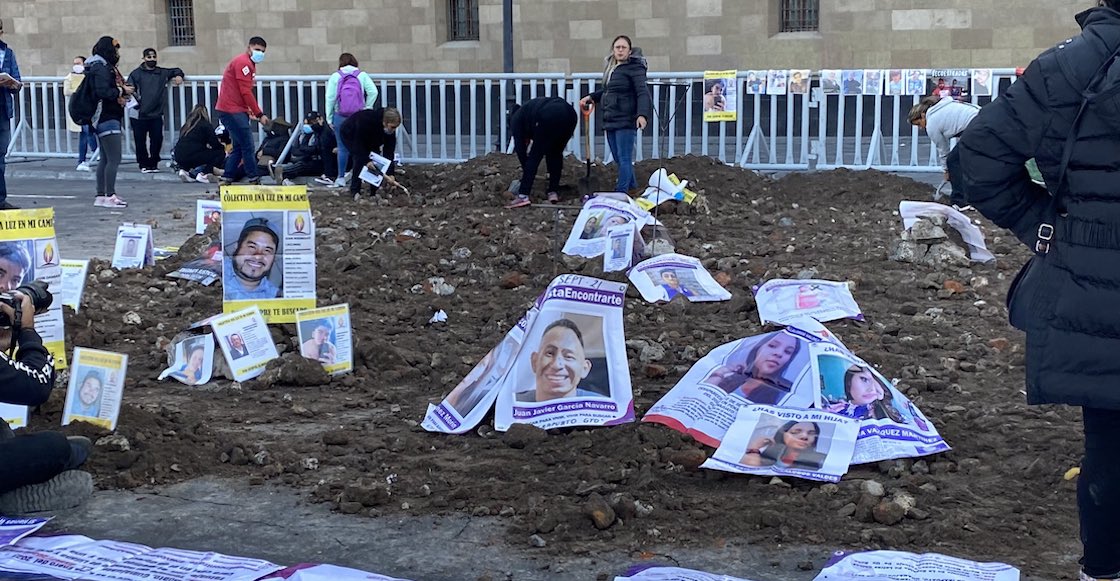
(354, 441)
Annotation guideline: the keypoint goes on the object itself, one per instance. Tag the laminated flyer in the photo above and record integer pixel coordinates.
(665, 277)
(74, 274)
(782, 301)
(470, 400)
(324, 335)
(589, 234)
(720, 96)
(246, 342)
(96, 388)
(193, 360)
(571, 369)
(891, 426)
(135, 247)
(900, 566)
(269, 251)
(770, 369)
(206, 212)
(29, 252)
(768, 441)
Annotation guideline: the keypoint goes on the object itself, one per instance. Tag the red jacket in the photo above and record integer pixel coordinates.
(235, 95)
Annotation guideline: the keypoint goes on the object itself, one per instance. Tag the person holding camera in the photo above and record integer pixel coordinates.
(37, 471)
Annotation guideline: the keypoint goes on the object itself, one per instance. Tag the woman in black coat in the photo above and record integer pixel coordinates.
(1066, 300)
(625, 103)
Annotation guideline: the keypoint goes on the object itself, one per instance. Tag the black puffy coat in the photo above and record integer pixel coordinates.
(1067, 301)
(625, 96)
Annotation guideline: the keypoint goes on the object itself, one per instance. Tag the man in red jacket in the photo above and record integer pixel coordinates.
(236, 104)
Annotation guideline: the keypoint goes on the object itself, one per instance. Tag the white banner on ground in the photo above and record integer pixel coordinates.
(673, 574)
(14, 529)
(572, 368)
(246, 342)
(206, 212)
(96, 388)
(589, 234)
(193, 362)
(324, 335)
(769, 369)
(900, 566)
(135, 247)
(891, 426)
(769, 441)
(15, 415)
(970, 233)
(665, 277)
(74, 274)
(782, 301)
(78, 557)
(620, 247)
(471, 400)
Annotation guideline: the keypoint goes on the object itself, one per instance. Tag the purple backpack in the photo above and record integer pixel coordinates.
(351, 96)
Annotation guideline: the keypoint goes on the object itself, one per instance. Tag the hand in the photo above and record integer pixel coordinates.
(28, 319)
(641, 122)
(177, 81)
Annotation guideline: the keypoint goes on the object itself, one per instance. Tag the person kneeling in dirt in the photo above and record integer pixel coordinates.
(37, 471)
(541, 129)
(944, 119)
(370, 131)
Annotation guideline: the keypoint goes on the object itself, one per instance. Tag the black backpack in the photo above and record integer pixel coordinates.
(83, 103)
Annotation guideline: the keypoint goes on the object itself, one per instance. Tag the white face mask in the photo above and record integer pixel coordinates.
(79, 69)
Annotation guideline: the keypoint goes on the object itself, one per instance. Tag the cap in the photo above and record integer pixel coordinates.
(258, 225)
(311, 116)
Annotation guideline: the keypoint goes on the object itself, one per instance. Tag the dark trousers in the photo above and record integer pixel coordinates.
(147, 135)
(31, 459)
(244, 149)
(1098, 493)
(530, 160)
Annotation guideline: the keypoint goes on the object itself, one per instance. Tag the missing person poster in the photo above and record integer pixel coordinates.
(269, 251)
(324, 335)
(192, 360)
(769, 369)
(206, 212)
(588, 237)
(720, 96)
(572, 368)
(74, 273)
(891, 426)
(29, 252)
(135, 247)
(246, 342)
(668, 276)
(96, 388)
(768, 441)
(470, 400)
(782, 301)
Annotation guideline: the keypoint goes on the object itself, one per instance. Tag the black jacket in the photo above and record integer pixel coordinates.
(1067, 301)
(151, 89)
(105, 88)
(29, 379)
(547, 121)
(364, 132)
(625, 95)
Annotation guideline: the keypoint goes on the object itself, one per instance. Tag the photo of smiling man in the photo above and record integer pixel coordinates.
(563, 362)
(252, 266)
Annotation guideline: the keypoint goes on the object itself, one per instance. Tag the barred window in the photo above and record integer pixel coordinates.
(462, 20)
(181, 25)
(800, 15)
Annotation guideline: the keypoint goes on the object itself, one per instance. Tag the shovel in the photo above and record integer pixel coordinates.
(585, 181)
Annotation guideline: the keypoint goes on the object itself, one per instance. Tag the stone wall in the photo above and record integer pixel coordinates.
(306, 36)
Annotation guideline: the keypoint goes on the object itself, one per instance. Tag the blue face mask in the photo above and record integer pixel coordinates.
(257, 56)
(307, 130)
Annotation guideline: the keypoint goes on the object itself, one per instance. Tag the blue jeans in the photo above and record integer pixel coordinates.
(244, 149)
(5, 139)
(343, 153)
(86, 141)
(621, 142)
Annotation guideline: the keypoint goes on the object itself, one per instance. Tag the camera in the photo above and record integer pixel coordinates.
(41, 298)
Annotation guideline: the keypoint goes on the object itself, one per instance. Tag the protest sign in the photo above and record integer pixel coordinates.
(770, 441)
(135, 247)
(981, 82)
(970, 233)
(246, 342)
(205, 269)
(915, 82)
(206, 212)
(588, 237)
(14, 415)
(769, 369)
(74, 273)
(665, 277)
(900, 566)
(193, 360)
(29, 252)
(79, 557)
(948, 82)
(890, 424)
(782, 301)
(96, 388)
(572, 368)
(755, 83)
(269, 251)
(655, 573)
(721, 96)
(469, 402)
(799, 81)
(830, 81)
(324, 335)
(872, 82)
(382, 164)
(776, 82)
(14, 529)
(620, 251)
(896, 82)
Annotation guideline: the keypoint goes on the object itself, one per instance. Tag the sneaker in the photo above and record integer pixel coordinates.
(184, 176)
(518, 202)
(553, 198)
(339, 183)
(202, 178)
(109, 202)
(66, 490)
(324, 180)
(80, 447)
(83, 166)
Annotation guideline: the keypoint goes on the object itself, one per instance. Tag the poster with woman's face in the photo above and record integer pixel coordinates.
(765, 369)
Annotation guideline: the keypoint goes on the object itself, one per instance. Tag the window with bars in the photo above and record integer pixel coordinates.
(181, 25)
(800, 15)
(462, 20)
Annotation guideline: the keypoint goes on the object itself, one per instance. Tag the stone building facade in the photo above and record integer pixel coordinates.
(411, 36)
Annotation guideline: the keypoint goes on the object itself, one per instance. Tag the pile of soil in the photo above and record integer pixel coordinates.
(354, 441)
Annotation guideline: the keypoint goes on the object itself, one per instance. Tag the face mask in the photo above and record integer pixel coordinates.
(257, 56)
(79, 69)
(307, 130)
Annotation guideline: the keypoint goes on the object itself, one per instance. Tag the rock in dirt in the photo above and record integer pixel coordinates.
(290, 369)
(600, 511)
(521, 436)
